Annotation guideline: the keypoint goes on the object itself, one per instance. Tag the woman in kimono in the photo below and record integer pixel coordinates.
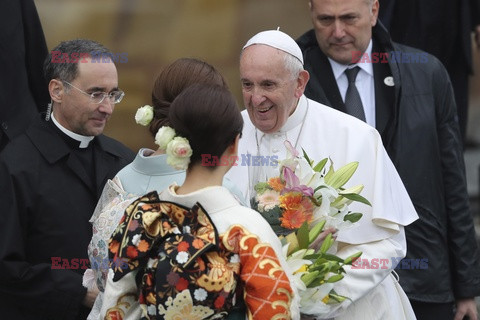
(149, 170)
(190, 251)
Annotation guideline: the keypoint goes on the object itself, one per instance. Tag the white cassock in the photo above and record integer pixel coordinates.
(325, 132)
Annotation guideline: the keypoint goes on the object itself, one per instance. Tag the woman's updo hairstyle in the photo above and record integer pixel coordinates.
(173, 80)
(208, 116)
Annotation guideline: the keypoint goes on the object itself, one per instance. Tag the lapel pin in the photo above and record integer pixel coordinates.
(389, 81)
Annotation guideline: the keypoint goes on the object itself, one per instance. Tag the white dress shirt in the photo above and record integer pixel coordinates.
(364, 83)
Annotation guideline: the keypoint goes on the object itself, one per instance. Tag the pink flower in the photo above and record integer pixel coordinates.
(268, 200)
(293, 183)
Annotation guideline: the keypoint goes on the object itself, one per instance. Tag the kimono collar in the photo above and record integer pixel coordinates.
(213, 199)
(154, 165)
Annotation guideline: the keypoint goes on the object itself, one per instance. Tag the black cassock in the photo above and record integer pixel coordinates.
(49, 189)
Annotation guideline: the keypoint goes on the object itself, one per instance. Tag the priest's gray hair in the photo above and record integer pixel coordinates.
(53, 66)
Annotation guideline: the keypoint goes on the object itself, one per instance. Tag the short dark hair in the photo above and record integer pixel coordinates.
(173, 80)
(67, 71)
(208, 116)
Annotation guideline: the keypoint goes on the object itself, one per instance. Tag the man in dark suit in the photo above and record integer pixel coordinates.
(51, 178)
(406, 94)
(442, 28)
(23, 88)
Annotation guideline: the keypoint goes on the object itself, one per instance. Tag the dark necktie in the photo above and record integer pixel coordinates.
(353, 103)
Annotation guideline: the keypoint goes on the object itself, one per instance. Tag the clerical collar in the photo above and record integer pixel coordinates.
(365, 64)
(297, 118)
(84, 140)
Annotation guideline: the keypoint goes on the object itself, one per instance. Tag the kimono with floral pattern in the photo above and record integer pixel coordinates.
(184, 269)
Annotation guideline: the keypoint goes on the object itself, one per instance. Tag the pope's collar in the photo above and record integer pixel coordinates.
(295, 118)
(84, 140)
(338, 68)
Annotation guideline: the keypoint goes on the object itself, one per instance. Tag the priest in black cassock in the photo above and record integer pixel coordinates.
(52, 176)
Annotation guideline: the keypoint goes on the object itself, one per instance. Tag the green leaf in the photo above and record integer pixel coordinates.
(319, 167)
(261, 187)
(332, 257)
(356, 197)
(307, 158)
(317, 282)
(353, 217)
(302, 236)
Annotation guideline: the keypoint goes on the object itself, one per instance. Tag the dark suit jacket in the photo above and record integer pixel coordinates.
(23, 88)
(47, 199)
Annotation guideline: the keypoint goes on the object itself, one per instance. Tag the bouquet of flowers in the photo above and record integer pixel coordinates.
(305, 199)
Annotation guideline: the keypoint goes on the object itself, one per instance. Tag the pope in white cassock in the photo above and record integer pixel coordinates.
(273, 82)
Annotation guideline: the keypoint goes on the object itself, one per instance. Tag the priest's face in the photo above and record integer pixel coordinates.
(75, 110)
(343, 28)
(270, 90)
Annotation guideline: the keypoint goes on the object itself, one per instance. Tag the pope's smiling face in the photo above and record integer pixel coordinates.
(270, 91)
(343, 27)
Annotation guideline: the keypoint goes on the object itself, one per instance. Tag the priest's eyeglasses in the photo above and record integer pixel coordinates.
(98, 96)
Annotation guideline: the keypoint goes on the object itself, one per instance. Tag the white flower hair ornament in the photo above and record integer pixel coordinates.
(144, 115)
(177, 148)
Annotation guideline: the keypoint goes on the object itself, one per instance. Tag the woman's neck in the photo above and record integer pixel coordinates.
(199, 177)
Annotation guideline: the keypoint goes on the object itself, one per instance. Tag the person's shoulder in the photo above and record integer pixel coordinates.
(19, 148)
(414, 58)
(115, 147)
(307, 40)
(322, 115)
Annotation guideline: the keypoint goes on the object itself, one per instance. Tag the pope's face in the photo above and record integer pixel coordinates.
(75, 111)
(343, 28)
(270, 91)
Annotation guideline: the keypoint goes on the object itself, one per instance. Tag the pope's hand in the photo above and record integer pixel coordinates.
(317, 243)
(90, 297)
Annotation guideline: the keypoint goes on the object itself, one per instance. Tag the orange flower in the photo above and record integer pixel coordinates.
(182, 284)
(290, 200)
(298, 209)
(197, 244)
(132, 252)
(143, 246)
(183, 246)
(113, 246)
(276, 183)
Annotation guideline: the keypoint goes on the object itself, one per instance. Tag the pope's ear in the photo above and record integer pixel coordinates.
(56, 90)
(302, 81)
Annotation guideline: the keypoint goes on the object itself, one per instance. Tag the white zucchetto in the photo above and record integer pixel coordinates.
(279, 40)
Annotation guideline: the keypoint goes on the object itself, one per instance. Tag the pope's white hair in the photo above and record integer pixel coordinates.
(293, 65)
